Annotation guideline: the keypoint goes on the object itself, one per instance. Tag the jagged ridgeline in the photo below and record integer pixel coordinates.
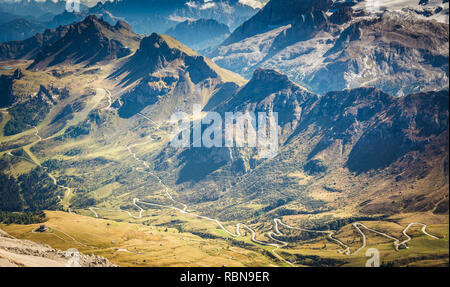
(169, 76)
(198, 18)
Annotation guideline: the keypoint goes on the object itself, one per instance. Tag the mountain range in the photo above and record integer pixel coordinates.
(346, 49)
(163, 75)
(199, 34)
(362, 100)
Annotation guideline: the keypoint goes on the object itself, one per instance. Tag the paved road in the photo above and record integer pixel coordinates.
(397, 242)
(185, 207)
(272, 234)
(34, 161)
(424, 231)
(328, 232)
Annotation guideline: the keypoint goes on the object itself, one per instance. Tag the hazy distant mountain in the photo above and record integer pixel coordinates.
(230, 12)
(7, 17)
(158, 16)
(66, 18)
(199, 34)
(29, 48)
(35, 17)
(19, 29)
(91, 41)
(98, 38)
(145, 17)
(32, 8)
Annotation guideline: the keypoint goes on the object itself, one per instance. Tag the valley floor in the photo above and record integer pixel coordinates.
(140, 219)
(135, 244)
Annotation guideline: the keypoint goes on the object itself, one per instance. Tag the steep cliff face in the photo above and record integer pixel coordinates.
(410, 124)
(276, 13)
(23, 253)
(6, 86)
(344, 47)
(389, 53)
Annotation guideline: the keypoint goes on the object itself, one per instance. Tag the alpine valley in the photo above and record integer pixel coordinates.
(86, 160)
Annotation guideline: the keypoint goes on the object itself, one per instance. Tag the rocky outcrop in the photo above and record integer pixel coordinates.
(23, 253)
(90, 41)
(322, 52)
(272, 91)
(166, 70)
(7, 95)
(341, 15)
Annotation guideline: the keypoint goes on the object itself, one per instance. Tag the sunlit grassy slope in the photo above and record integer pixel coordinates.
(131, 244)
(100, 166)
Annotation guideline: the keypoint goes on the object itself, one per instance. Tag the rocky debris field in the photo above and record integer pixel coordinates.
(23, 253)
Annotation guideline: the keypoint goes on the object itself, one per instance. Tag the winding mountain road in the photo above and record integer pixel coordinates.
(278, 245)
(329, 232)
(272, 234)
(424, 227)
(397, 242)
(36, 162)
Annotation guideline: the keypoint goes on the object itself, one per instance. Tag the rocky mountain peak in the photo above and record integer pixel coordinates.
(163, 43)
(91, 19)
(91, 40)
(123, 25)
(269, 76)
(93, 25)
(277, 13)
(270, 90)
(163, 66)
(266, 82)
(156, 52)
